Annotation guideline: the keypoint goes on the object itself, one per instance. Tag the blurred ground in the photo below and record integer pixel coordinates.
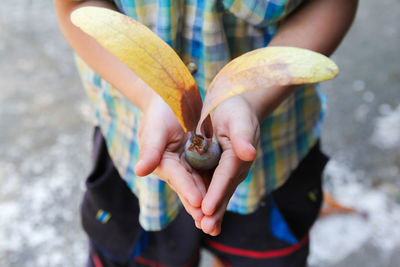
(45, 142)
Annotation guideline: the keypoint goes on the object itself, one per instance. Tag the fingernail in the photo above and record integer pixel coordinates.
(207, 210)
(140, 162)
(195, 200)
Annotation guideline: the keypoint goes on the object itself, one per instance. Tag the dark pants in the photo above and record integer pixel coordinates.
(276, 234)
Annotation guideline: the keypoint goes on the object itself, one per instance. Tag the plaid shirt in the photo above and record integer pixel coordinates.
(209, 34)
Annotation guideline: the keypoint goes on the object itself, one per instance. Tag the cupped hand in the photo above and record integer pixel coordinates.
(161, 145)
(236, 128)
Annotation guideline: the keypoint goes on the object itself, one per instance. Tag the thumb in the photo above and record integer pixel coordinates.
(242, 136)
(151, 148)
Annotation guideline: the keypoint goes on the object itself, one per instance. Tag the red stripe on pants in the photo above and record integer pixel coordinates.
(258, 254)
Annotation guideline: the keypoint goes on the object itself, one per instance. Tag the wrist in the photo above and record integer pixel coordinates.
(149, 99)
(264, 101)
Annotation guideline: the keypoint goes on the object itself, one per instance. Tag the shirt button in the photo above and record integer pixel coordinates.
(192, 67)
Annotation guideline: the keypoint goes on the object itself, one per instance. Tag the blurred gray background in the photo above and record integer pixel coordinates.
(45, 133)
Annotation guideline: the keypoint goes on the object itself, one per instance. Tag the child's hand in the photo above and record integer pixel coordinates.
(161, 143)
(236, 128)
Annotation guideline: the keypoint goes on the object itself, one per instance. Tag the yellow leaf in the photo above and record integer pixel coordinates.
(153, 60)
(264, 68)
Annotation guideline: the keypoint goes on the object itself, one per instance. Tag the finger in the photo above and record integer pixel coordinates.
(243, 137)
(171, 171)
(217, 230)
(199, 180)
(227, 177)
(196, 213)
(212, 224)
(243, 148)
(197, 224)
(152, 146)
